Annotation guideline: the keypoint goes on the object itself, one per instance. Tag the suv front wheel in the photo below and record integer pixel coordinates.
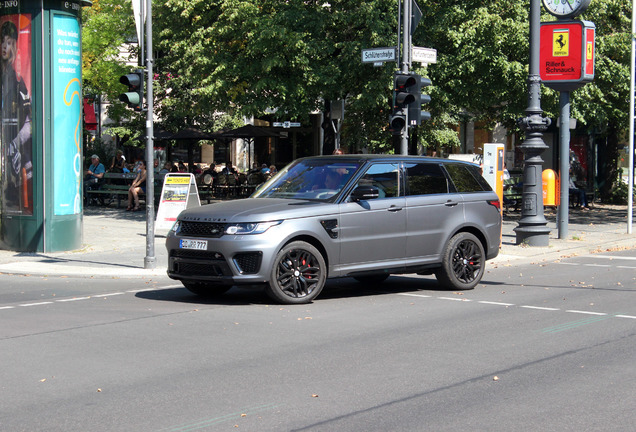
(463, 262)
(298, 275)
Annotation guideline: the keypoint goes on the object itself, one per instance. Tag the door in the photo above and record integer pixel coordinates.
(372, 231)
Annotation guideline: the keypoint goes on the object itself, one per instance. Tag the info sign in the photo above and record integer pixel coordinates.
(179, 192)
(567, 54)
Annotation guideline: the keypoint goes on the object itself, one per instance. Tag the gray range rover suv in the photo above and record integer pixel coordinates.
(360, 216)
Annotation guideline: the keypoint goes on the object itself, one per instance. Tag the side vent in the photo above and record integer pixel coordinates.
(331, 226)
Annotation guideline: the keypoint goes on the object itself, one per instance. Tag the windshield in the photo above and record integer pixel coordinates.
(313, 179)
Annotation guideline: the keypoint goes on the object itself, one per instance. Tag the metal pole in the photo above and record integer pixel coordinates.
(564, 163)
(532, 229)
(406, 55)
(150, 260)
(630, 169)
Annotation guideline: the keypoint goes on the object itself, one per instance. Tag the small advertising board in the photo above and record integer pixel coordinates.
(179, 192)
(567, 54)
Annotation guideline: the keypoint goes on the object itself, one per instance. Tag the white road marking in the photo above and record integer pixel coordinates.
(454, 299)
(72, 299)
(496, 303)
(615, 257)
(586, 312)
(109, 295)
(7, 307)
(35, 304)
(415, 295)
(540, 308)
(625, 316)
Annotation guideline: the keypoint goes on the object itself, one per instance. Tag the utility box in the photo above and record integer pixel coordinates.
(493, 167)
(550, 188)
(41, 126)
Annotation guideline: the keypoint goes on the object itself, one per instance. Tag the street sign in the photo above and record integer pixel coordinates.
(423, 55)
(379, 55)
(286, 124)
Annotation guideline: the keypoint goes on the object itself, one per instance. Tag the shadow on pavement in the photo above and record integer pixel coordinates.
(334, 289)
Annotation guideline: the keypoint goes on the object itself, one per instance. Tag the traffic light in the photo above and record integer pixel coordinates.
(402, 97)
(134, 97)
(416, 115)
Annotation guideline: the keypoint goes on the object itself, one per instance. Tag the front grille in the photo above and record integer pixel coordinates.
(248, 262)
(202, 229)
(199, 269)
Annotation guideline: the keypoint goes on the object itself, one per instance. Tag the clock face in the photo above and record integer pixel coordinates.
(566, 8)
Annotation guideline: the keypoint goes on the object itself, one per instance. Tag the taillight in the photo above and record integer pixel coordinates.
(495, 203)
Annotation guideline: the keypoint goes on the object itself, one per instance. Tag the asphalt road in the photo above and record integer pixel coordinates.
(540, 347)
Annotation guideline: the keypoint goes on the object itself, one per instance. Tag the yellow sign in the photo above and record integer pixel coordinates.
(590, 51)
(561, 43)
(178, 180)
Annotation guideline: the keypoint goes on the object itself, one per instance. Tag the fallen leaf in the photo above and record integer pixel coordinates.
(314, 395)
(495, 378)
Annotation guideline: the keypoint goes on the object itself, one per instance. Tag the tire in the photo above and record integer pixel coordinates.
(204, 289)
(377, 278)
(298, 274)
(463, 263)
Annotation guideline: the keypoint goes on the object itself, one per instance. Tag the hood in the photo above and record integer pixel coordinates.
(257, 210)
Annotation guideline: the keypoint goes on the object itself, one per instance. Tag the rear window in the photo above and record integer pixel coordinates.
(425, 179)
(467, 178)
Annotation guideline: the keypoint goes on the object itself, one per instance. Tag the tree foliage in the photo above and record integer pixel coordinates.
(284, 59)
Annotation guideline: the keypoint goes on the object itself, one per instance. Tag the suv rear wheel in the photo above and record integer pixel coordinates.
(298, 275)
(463, 262)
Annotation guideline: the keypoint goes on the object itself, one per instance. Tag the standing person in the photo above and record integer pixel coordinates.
(138, 186)
(16, 127)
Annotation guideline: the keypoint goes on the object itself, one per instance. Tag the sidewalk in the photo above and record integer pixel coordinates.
(114, 244)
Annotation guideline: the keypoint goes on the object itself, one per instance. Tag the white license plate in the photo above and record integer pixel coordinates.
(193, 244)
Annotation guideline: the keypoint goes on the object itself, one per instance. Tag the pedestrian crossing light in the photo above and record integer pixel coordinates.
(402, 98)
(134, 97)
(415, 113)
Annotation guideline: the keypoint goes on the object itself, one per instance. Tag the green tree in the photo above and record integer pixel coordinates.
(108, 26)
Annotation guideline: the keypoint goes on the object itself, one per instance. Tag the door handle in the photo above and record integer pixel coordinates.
(450, 203)
(395, 208)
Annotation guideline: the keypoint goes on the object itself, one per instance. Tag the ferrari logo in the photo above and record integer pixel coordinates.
(560, 43)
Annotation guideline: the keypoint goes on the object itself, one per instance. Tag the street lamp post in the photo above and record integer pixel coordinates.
(532, 228)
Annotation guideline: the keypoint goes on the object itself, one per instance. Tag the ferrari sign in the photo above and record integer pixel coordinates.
(567, 54)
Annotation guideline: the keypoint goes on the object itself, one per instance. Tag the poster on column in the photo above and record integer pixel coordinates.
(67, 119)
(15, 133)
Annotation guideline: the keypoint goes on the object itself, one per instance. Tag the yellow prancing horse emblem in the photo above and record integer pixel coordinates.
(560, 43)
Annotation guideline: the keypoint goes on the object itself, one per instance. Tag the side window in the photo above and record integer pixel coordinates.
(425, 179)
(463, 178)
(383, 176)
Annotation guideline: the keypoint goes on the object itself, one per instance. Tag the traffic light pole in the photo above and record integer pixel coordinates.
(150, 260)
(406, 62)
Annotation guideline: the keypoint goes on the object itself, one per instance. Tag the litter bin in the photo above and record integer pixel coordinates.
(550, 188)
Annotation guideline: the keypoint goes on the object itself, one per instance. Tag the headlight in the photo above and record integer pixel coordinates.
(250, 228)
(176, 227)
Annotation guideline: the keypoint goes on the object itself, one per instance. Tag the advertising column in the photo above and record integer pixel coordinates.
(67, 119)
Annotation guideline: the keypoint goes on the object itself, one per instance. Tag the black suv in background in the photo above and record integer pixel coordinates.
(360, 216)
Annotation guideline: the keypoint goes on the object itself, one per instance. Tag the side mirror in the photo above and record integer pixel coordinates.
(363, 193)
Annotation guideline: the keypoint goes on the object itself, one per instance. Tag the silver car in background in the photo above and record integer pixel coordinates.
(360, 216)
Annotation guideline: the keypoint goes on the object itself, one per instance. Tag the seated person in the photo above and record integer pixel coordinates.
(579, 193)
(94, 174)
(137, 187)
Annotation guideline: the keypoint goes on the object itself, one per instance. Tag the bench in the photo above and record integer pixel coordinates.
(114, 187)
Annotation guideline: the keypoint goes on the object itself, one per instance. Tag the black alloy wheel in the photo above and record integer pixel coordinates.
(298, 274)
(463, 262)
